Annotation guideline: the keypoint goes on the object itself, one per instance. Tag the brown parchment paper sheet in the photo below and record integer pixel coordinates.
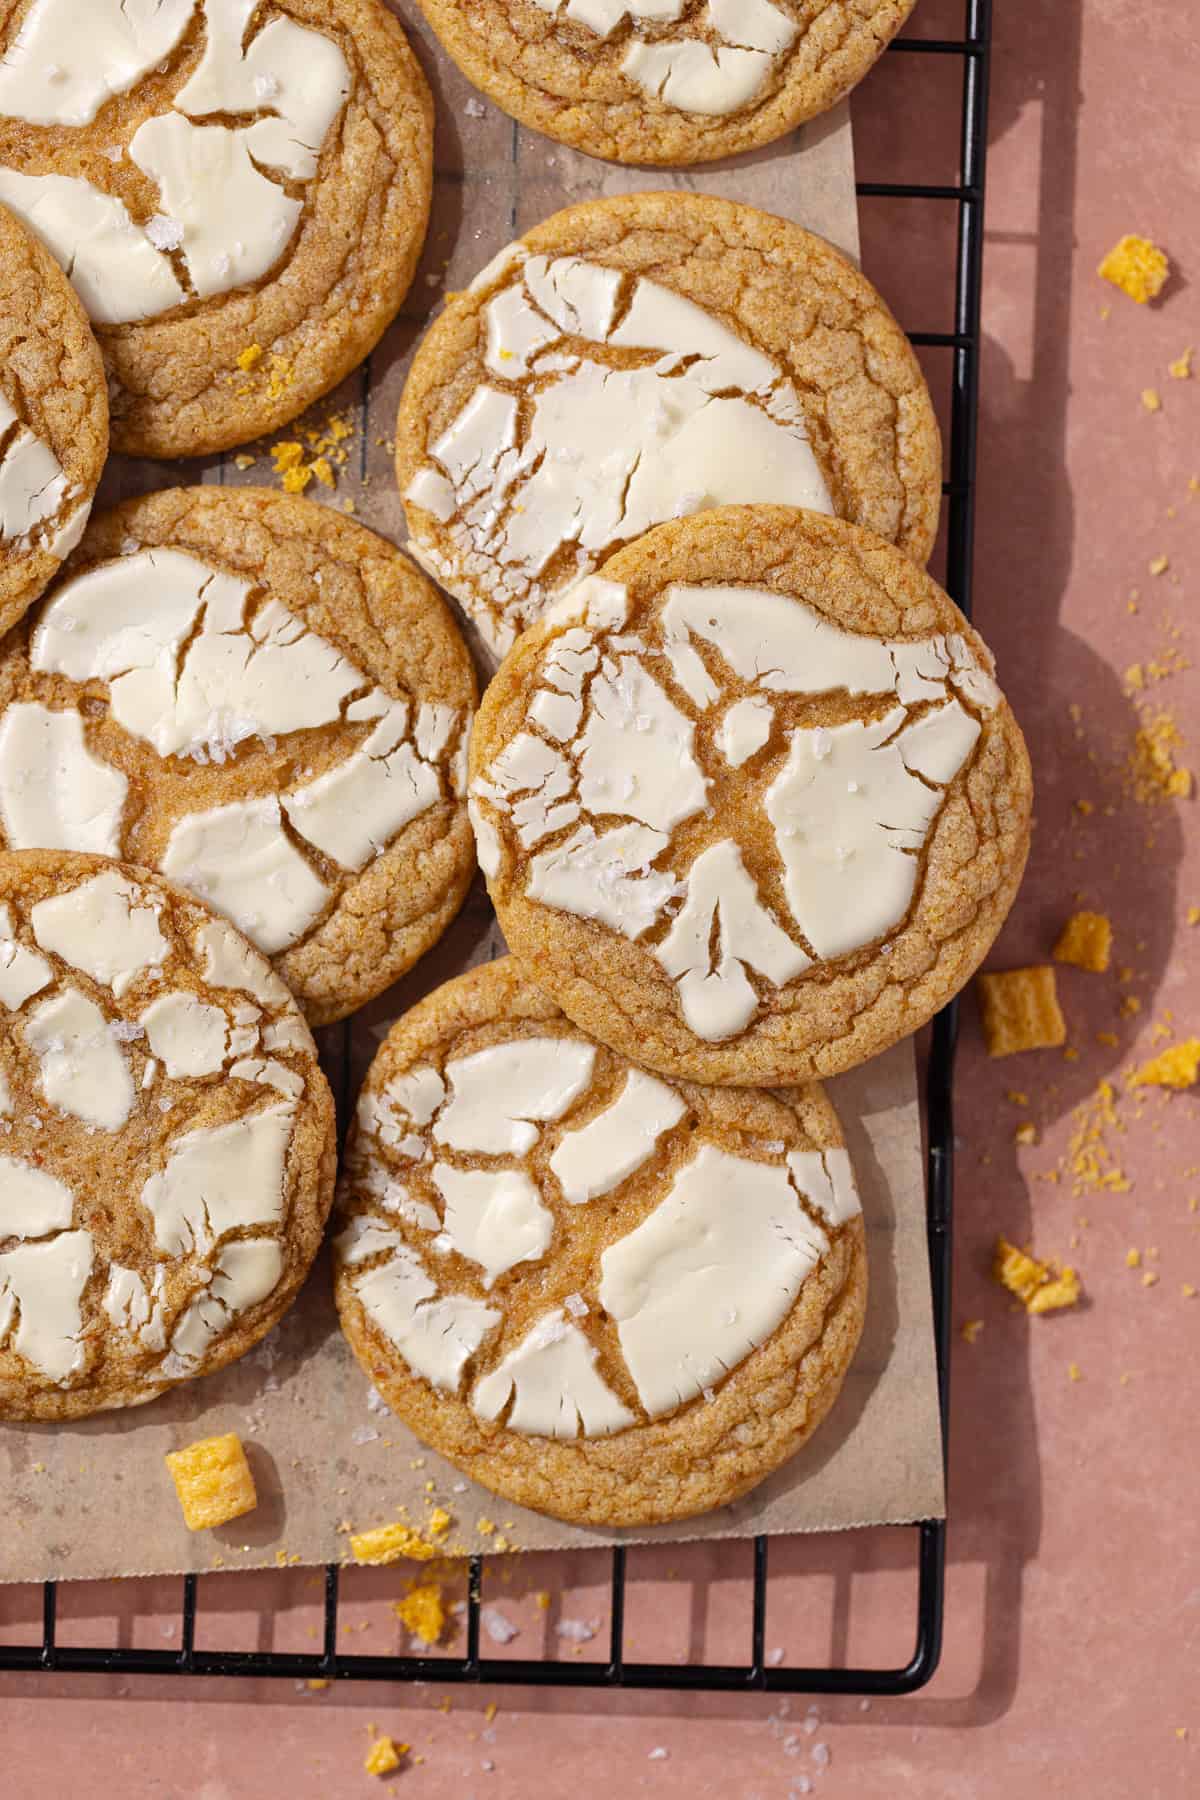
(94, 1499)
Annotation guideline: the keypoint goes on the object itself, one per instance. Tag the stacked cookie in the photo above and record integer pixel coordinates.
(747, 799)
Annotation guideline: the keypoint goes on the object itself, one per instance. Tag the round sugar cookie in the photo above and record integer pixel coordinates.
(636, 360)
(665, 81)
(749, 801)
(167, 1154)
(607, 1298)
(269, 704)
(240, 193)
(53, 418)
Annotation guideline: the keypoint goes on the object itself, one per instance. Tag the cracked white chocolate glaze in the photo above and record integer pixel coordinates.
(159, 706)
(581, 393)
(160, 1197)
(744, 800)
(538, 1241)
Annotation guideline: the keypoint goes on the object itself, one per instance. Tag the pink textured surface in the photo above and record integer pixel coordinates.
(1074, 1586)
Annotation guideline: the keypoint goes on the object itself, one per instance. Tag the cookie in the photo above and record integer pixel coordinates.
(665, 81)
(607, 1298)
(265, 702)
(636, 360)
(53, 418)
(240, 194)
(166, 1139)
(749, 802)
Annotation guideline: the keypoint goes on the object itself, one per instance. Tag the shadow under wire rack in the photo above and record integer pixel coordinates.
(617, 1671)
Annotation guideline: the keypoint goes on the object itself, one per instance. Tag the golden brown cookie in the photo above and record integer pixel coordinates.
(269, 704)
(239, 190)
(612, 1300)
(168, 1151)
(749, 802)
(636, 360)
(665, 81)
(53, 418)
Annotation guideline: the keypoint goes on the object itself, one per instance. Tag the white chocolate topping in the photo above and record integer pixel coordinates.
(71, 56)
(493, 1217)
(33, 1203)
(556, 1389)
(83, 1069)
(114, 267)
(33, 484)
(22, 972)
(43, 1285)
(55, 793)
(240, 859)
(103, 927)
(496, 1092)
(435, 1336)
(826, 1180)
(219, 1178)
(606, 1151)
(186, 1034)
(729, 1239)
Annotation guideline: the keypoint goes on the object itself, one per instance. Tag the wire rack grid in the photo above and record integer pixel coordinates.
(617, 1671)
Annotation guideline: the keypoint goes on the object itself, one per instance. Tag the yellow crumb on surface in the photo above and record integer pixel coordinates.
(422, 1611)
(1017, 1097)
(280, 378)
(389, 1544)
(439, 1521)
(1151, 399)
(1026, 1133)
(542, 1599)
(1193, 915)
(1089, 1158)
(1149, 1278)
(1020, 1011)
(1188, 1290)
(970, 1330)
(1036, 1284)
(1181, 368)
(1158, 565)
(1133, 1259)
(1086, 941)
(317, 1684)
(384, 1756)
(213, 1481)
(1177, 1067)
(248, 358)
(486, 1527)
(1108, 1038)
(1136, 266)
(489, 1711)
(1152, 771)
(243, 460)
(1074, 1372)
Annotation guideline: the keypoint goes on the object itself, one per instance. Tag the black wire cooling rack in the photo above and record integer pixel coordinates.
(617, 1671)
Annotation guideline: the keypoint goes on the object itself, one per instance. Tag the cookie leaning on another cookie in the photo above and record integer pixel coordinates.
(53, 418)
(167, 1158)
(268, 703)
(665, 81)
(240, 193)
(749, 802)
(635, 360)
(609, 1299)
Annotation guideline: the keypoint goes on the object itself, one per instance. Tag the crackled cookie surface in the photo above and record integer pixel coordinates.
(637, 360)
(223, 179)
(53, 418)
(606, 1297)
(269, 704)
(665, 81)
(166, 1139)
(750, 802)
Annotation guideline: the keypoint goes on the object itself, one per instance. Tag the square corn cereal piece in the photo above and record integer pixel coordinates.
(213, 1481)
(384, 1756)
(1020, 1011)
(1138, 267)
(1086, 941)
(1016, 1270)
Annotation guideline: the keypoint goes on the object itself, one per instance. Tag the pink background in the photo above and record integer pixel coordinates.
(1074, 1584)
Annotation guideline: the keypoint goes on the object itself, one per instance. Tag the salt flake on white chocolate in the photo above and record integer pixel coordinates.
(496, 1092)
(108, 927)
(708, 1276)
(606, 1151)
(493, 1217)
(555, 1387)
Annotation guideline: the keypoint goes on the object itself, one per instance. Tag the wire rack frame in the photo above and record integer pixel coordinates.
(616, 1671)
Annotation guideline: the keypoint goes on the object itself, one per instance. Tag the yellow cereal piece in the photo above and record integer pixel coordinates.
(1074, 1372)
(1188, 1290)
(1108, 1038)
(1133, 1259)
(542, 1598)
(1150, 1278)
(1020, 1011)
(384, 1756)
(1181, 368)
(1136, 266)
(422, 1612)
(1034, 1283)
(248, 358)
(280, 377)
(489, 1711)
(486, 1527)
(1026, 1133)
(971, 1329)
(323, 471)
(1086, 941)
(1193, 915)
(1151, 399)
(1177, 1067)
(1158, 565)
(389, 1544)
(317, 1684)
(213, 1481)
(287, 456)
(296, 480)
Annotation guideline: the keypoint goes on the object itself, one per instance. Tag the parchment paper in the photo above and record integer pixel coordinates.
(94, 1499)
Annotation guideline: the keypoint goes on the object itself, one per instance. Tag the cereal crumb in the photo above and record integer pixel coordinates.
(389, 1544)
(384, 1756)
(1158, 565)
(1136, 266)
(1086, 941)
(250, 357)
(1151, 399)
(1034, 1283)
(1181, 368)
(1074, 1372)
(422, 1611)
(971, 1329)
(1177, 1067)
(1020, 1011)
(1026, 1133)
(213, 1480)
(1133, 1259)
